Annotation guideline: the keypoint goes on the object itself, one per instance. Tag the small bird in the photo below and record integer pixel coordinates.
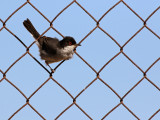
(51, 49)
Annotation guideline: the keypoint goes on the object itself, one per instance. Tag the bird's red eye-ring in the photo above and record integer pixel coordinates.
(70, 43)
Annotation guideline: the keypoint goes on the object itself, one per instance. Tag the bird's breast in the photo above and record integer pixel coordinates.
(61, 54)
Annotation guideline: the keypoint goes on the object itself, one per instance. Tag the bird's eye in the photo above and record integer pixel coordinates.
(70, 43)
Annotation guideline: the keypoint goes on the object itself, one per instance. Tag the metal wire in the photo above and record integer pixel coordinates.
(28, 2)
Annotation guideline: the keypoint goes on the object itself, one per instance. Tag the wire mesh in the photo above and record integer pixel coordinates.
(51, 78)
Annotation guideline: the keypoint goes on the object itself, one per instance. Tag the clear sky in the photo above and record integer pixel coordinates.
(74, 75)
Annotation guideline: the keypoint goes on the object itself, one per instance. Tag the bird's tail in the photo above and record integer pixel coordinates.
(28, 25)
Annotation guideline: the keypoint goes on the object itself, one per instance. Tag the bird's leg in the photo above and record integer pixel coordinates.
(52, 70)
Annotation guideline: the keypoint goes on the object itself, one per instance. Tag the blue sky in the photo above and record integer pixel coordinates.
(74, 75)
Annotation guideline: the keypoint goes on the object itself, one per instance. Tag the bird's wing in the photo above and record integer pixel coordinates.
(49, 44)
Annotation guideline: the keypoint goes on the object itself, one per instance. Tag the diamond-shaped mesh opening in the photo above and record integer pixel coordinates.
(31, 82)
(146, 102)
(122, 81)
(74, 84)
(57, 101)
(88, 100)
(147, 8)
(113, 75)
(137, 48)
(120, 21)
(72, 24)
(101, 50)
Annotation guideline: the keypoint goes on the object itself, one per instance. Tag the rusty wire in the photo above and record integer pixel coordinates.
(97, 26)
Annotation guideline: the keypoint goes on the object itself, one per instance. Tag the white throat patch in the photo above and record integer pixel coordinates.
(67, 51)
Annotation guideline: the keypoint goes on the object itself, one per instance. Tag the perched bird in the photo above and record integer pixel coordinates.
(51, 49)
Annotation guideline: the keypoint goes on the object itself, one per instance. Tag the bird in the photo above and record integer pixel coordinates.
(52, 49)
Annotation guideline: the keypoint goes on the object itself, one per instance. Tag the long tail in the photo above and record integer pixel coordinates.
(28, 25)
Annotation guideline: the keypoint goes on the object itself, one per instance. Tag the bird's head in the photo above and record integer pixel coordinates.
(68, 42)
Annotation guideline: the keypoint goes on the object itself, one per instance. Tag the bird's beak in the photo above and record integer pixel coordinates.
(78, 45)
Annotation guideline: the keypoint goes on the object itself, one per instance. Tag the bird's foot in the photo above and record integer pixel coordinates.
(52, 70)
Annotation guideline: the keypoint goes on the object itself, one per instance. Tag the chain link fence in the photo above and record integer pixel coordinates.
(96, 72)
